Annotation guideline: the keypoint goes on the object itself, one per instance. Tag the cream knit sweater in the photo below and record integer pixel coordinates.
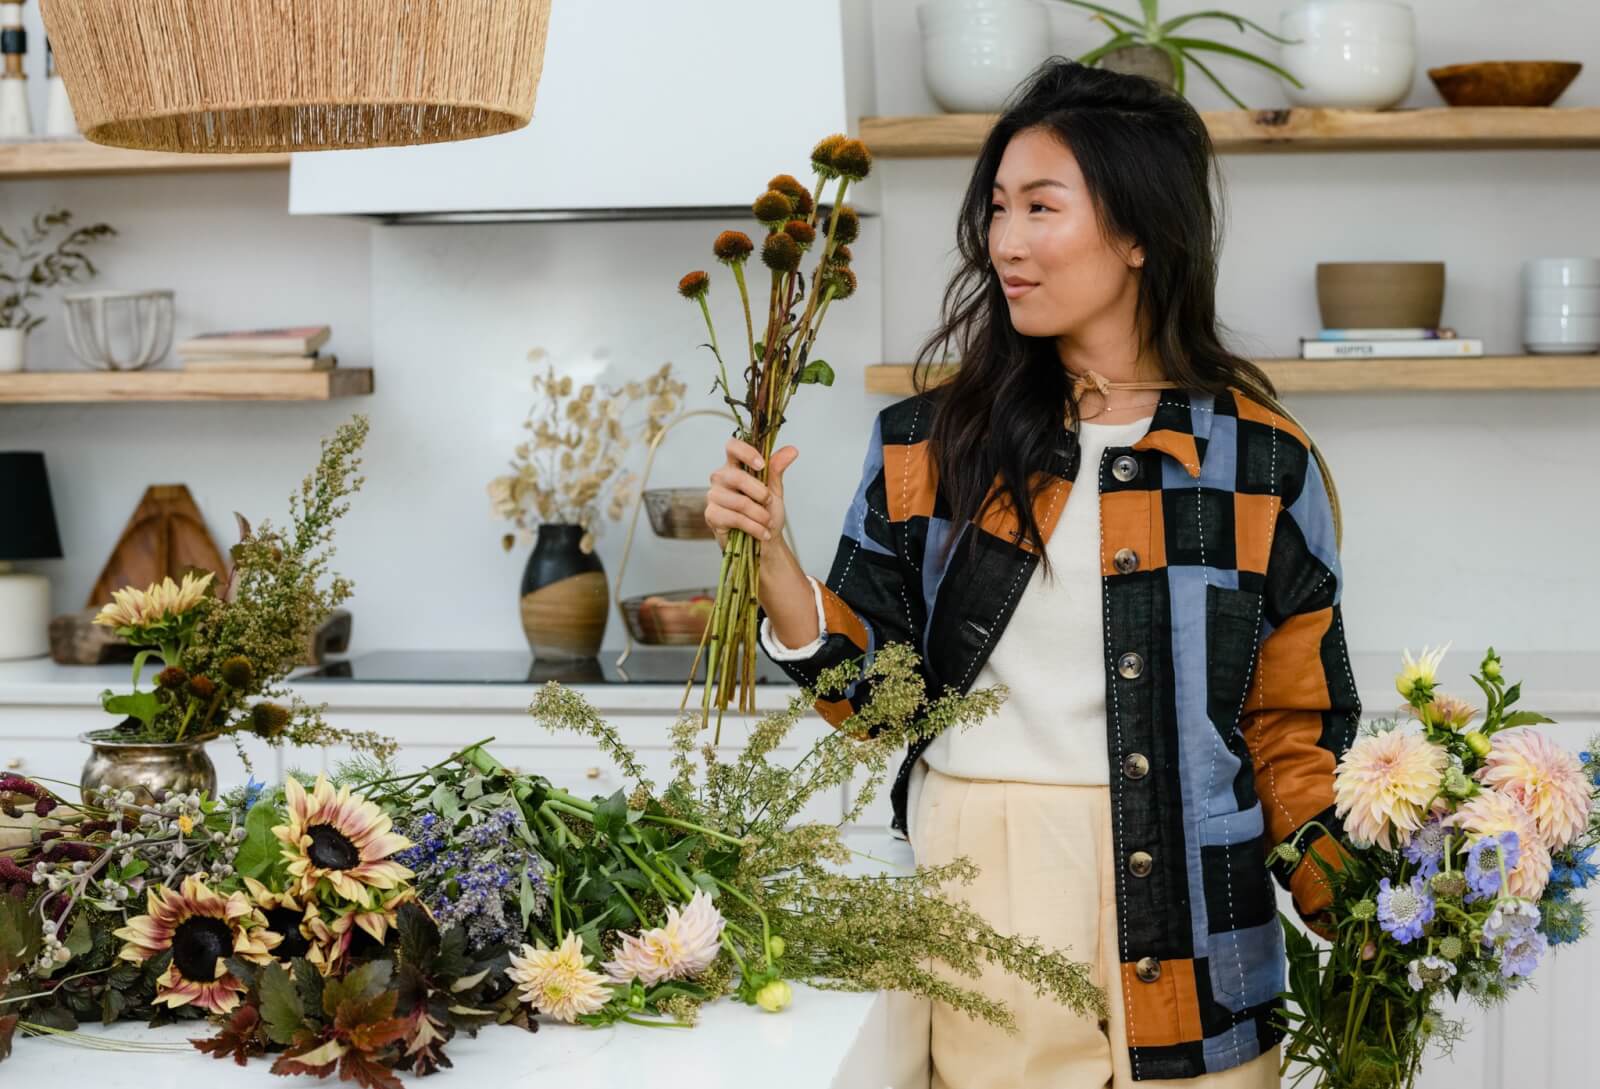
(1050, 656)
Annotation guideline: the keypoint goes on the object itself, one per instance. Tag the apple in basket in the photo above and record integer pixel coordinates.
(675, 618)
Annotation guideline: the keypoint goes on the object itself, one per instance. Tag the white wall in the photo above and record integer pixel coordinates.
(1460, 517)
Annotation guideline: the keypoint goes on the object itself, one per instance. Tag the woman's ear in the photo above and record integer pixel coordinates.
(1136, 257)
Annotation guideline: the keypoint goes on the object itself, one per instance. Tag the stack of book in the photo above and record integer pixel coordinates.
(290, 349)
(1408, 343)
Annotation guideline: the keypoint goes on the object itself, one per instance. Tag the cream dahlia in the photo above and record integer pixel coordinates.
(1544, 778)
(1384, 785)
(1490, 814)
(341, 840)
(684, 947)
(557, 981)
(202, 929)
(131, 608)
(1446, 712)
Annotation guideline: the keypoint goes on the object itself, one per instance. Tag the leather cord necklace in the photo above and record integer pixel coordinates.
(1098, 383)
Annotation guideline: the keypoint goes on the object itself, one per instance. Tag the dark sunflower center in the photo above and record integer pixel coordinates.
(331, 849)
(286, 921)
(197, 944)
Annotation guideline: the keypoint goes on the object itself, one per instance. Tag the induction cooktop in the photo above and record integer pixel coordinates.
(646, 665)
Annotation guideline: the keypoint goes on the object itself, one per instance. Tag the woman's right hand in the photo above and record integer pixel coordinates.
(739, 500)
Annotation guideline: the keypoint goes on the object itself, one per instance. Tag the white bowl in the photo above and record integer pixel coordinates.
(119, 330)
(975, 71)
(1561, 272)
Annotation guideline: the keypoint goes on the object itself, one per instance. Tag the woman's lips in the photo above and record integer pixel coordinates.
(1016, 291)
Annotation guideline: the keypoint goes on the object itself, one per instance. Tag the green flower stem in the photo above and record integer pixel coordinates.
(654, 1024)
(749, 328)
(666, 891)
(638, 912)
(688, 827)
(766, 926)
(555, 900)
(727, 943)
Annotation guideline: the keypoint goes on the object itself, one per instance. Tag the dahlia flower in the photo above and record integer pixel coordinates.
(684, 947)
(1492, 813)
(1419, 673)
(1384, 785)
(557, 981)
(1544, 778)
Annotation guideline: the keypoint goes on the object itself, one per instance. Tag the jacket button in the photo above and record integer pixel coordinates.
(1148, 969)
(1125, 468)
(1136, 765)
(1126, 560)
(1140, 863)
(1130, 665)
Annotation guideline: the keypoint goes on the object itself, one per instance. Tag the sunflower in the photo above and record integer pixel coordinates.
(285, 915)
(352, 931)
(202, 929)
(340, 842)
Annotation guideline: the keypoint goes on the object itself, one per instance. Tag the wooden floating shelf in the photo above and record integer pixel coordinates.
(1442, 128)
(80, 158)
(1503, 372)
(70, 387)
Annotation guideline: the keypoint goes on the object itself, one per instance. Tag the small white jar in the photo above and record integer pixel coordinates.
(975, 52)
(1561, 305)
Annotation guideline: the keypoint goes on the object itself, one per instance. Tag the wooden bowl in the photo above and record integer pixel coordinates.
(1504, 83)
(678, 512)
(1380, 294)
(671, 617)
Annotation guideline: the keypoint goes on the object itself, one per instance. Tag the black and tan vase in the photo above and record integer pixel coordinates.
(565, 599)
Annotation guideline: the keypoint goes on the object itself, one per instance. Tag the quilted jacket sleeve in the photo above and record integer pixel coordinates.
(1302, 711)
(872, 596)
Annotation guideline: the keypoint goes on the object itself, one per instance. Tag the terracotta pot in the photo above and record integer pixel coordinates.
(1141, 60)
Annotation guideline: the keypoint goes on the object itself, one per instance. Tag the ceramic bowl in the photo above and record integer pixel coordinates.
(1380, 294)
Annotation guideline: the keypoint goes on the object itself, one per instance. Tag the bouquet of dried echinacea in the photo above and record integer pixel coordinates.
(778, 364)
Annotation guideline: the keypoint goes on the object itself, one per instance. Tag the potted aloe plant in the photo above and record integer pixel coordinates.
(1146, 46)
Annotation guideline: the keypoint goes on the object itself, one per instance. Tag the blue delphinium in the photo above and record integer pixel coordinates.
(1426, 848)
(1403, 910)
(1483, 864)
(474, 877)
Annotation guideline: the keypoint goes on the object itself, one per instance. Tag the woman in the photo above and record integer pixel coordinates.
(1155, 580)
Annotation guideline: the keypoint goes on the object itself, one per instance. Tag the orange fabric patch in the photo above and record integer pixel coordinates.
(1132, 520)
(1000, 519)
(1282, 724)
(1164, 1012)
(910, 480)
(1307, 884)
(1180, 444)
(1254, 518)
(1250, 409)
(842, 619)
(834, 712)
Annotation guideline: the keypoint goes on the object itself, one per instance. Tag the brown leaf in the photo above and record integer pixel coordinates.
(367, 1072)
(8, 1025)
(240, 1037)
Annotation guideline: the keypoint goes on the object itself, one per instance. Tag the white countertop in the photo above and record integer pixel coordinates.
(1558, 683)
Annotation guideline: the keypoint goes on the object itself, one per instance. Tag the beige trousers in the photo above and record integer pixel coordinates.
(1045, 859)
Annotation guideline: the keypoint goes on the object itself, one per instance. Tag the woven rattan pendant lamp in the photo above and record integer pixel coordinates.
(296, 75)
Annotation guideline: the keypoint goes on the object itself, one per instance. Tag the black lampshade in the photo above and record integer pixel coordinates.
(27, 520)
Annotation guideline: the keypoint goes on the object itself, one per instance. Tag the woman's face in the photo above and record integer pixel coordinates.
(1043, 230)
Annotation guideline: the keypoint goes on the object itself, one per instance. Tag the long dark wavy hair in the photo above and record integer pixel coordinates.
(1147, 163)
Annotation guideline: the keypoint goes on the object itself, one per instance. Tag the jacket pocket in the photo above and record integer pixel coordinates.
(1233, 620)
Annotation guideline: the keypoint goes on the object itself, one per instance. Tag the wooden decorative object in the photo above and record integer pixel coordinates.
(1504, 83)
(165, 536)
(296, 75)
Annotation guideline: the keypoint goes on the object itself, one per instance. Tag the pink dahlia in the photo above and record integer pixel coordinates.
(1544, 778)
(1384, 785)
(1490, 814)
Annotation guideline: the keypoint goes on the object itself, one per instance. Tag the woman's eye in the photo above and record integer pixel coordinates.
(995, 208)
(1031, 207)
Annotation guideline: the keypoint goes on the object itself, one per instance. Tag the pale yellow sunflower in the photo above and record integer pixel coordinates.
(339, 841)
(131, 608)
(338, 933)
(203, 929)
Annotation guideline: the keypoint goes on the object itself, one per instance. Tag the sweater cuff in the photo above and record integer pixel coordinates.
(781, 653)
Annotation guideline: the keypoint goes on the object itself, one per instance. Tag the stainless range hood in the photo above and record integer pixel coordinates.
(645, 111)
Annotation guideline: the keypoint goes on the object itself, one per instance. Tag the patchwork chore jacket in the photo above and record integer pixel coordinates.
(1229, 692)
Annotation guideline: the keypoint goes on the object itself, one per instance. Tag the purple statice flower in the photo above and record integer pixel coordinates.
(473, 877)
(1403, 910)
(1520, 955)
(1483, 864)
(1510, 919)
(1429, 971)
(1426, 848)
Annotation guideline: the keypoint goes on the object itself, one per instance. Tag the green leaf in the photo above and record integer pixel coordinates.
(526, 901)
(359, 986)
(419, 935)
(444, 801)
(139, 705)
(281, 1008)
(817, 373)
(81, 938)
(260, 852)
(1523, 718)
(611, 816)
